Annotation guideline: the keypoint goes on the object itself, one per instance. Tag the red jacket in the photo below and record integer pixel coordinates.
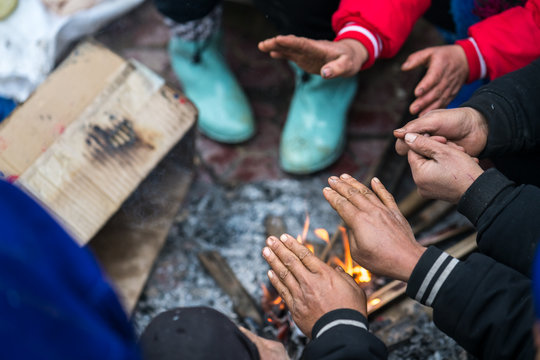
(497, 45)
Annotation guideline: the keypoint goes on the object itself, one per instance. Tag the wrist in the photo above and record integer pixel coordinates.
(410, 260)
(357, 52)
(479, 130)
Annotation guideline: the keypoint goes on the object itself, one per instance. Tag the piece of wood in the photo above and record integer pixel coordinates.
(108, 126)
(243, 303)
(444, 235)
(396, 288)
(430, 215)
(412, 204)
(128, 245)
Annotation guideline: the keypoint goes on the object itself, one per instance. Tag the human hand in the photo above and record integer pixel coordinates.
(383, 240)
(309, 287)
(330, 59)
(447, 72)
(465, 127)
(268, 349)
(440, 171)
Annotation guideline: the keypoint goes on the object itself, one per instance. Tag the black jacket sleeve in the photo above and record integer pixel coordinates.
(485, 306)
(341, 335)
(507, 219)
(511, 106)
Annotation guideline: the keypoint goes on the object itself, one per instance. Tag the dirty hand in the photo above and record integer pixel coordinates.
(383, 240)
(309, 287)
(330, 59)
(268, 349)
(440, 171)
(447, 72)
(465, 127)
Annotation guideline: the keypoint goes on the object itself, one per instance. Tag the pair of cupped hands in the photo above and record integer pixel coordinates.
(441, 147)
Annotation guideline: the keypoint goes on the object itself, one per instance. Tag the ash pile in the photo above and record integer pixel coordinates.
(231, 221)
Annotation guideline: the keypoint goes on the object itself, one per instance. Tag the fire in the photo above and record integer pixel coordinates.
(322, 234)
(357, 272)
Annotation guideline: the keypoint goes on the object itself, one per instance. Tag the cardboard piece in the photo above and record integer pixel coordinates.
(90, 134)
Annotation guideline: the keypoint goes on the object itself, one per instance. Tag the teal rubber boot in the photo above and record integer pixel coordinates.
(314, 134)
(224, 111)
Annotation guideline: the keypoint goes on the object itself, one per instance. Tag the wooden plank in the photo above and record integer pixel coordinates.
(243, 303)
(412, 203)
(396, 288)
(131, 241)
(109, 147)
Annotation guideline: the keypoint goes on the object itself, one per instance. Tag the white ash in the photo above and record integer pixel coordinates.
(230, 221)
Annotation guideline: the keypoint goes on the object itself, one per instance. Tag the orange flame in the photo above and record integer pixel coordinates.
(357, 272)
(322, 234)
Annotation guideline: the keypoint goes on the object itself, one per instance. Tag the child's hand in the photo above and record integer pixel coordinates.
(447, 72)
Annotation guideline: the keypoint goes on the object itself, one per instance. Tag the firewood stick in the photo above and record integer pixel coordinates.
(445, 235)
(412, 203)
(243, 303)
(431, 214)
(396, 288)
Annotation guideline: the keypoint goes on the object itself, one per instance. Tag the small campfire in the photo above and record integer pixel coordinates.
(277, 319)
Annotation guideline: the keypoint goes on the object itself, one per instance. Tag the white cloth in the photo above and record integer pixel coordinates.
(32, 39)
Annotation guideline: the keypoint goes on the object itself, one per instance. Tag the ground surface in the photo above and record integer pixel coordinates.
(236, 187)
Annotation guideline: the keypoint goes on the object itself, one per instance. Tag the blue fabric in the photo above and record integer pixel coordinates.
(54, 301)
(466, 92)
(6, 107)
(536, 283)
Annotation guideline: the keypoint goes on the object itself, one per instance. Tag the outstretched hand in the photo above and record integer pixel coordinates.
(465, 127)
(383, 240)
(440, 171)
(268, 349)
(447, 72)
(330, 59)
(309, 287)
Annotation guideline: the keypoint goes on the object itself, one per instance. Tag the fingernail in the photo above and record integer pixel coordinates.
(400, 130)
(420, 91)
(377, 180)
(284, 238)
(410, 138)
(327, 189)
(333, 179)
(345, 176)
(266, 252)
(270, 274)
(426, 135)
(270, 241)
(326, 72)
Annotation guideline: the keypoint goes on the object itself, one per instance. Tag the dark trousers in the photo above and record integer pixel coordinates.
(308, 18)
(197, 333)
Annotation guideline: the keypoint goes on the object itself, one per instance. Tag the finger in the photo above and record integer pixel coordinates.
(277, 55)
(280, 287)
(430, 80)
(401, 147)
(310, 261)
(342, 66)
(354, 191)
(423, 102)
(292, 263)
(416, 59)
(424, 146)
(440, 139)
(425, 124)
(453, 145)
(345, 209)
(416, 161)
(476, 160)
(383, 194)
(346, 276)
(282, 272)
(437, 104)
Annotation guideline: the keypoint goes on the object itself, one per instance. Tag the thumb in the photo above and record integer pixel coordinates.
(424, 145)
(416, 59)
(338, 67)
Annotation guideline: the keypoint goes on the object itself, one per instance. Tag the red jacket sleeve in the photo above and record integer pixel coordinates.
(504, 42)
(380, 25)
